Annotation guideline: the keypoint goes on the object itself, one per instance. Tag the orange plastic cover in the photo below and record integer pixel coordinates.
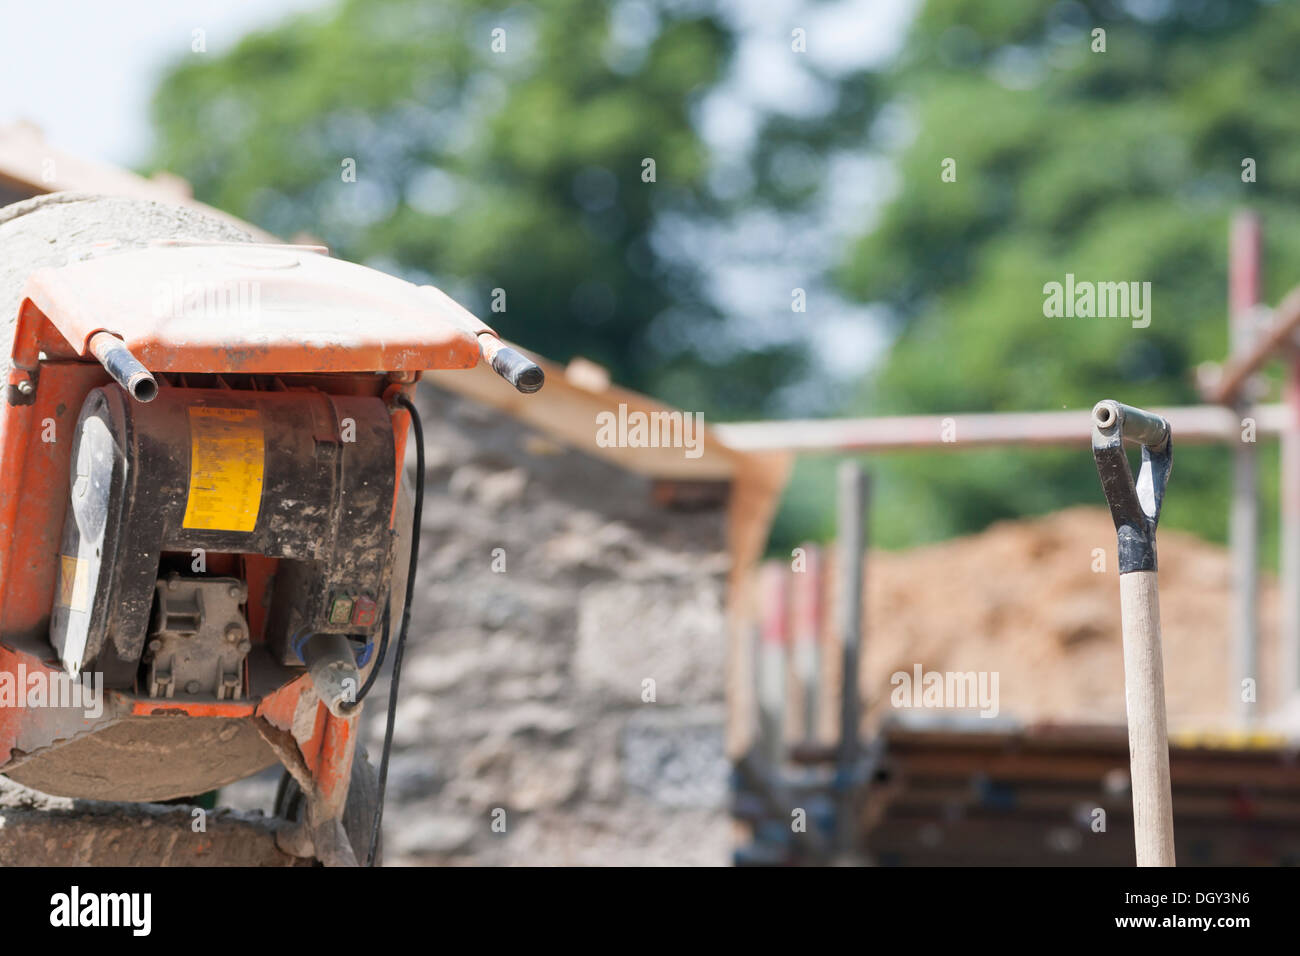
(242, 307)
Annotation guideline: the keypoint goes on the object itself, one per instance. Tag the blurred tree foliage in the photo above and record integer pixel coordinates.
(487, 160)
(1120, 165)
(521, 169)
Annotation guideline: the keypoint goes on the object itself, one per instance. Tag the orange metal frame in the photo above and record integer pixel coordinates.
(52, 373)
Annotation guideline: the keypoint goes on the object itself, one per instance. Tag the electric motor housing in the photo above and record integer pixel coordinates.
(299, 475)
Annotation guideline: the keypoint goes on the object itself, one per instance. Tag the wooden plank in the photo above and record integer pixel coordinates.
(567, 411)
(806, 611)
(30, 165)
(774, 644)
(1191, 803)
(755, 494)
(1279, 335)
(1009, 841)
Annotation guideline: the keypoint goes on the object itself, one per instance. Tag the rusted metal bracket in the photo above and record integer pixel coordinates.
(320, 833)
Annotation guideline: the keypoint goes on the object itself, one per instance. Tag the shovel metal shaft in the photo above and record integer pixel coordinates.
(1148, 736)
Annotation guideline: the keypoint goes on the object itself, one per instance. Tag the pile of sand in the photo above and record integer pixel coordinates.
(1022, 599)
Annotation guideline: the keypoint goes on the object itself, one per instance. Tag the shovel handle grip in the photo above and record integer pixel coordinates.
(1135, 425)
(1134, 504)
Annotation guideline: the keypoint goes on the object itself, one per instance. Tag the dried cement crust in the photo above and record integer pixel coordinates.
(53, 229)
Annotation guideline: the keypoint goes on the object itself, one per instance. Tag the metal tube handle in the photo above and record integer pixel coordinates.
(333, 671)
(124, 367)
(517, 369)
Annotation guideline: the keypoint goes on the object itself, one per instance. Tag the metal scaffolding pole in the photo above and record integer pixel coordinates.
(1194, 424)
(1243, 295)
(854, 494)
(1289, 545)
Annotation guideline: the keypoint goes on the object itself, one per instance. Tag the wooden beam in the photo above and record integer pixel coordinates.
(567, 411)
(1279, 334)
(29, 164)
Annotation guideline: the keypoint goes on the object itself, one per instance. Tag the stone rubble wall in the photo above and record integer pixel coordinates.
(522, 690)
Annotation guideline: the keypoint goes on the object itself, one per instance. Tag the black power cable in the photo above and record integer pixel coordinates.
(418, 428)
(380, 654)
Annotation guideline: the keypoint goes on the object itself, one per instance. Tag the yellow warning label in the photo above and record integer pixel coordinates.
(74, 583)
(227, 452)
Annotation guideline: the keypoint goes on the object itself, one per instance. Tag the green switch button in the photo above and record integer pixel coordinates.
(341, 610)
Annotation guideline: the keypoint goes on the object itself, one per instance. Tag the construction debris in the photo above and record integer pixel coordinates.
(57, 831)
(973, 604)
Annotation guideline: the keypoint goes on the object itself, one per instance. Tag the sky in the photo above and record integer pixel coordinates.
(84, 70)
(757, 264)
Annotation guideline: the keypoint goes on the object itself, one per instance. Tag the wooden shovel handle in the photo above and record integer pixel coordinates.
(1148, 736)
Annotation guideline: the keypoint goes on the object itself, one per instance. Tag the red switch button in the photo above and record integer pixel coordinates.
(363, 612)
